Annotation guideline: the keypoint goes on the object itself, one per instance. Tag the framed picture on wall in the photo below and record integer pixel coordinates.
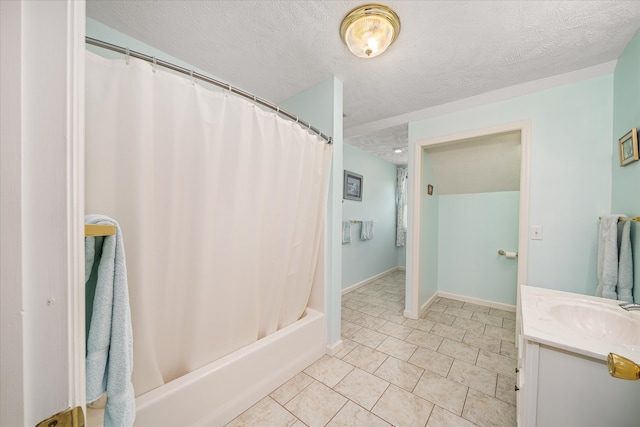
(352, 186)
(628, 146)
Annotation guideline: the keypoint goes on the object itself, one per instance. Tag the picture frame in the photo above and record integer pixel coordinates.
(628, 147)
(352, 186)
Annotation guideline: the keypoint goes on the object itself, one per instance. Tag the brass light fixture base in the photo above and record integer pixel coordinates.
(370, 29)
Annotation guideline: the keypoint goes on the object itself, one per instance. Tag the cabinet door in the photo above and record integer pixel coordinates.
(528, 380)
(577, 391)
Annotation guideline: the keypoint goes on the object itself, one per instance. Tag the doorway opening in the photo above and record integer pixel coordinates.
(423, 275)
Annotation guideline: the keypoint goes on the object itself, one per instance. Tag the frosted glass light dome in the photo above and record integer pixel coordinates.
(369, 30)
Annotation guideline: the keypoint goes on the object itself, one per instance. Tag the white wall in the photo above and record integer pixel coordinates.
(42, 134)
(570, 173)
(362, 260)
(11, 322)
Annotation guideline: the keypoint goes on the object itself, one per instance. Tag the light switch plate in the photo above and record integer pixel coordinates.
(536, 232)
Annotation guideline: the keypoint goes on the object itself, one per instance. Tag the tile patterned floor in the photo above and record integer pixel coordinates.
(455, 366)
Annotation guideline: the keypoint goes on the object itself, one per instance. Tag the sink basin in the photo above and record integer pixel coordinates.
(581, 324)
(605, 322)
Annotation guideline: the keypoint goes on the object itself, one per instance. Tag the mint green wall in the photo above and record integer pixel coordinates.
(316, 105)
(570, 173)
(429, 232)
(362, 260)
(472, 228)
(320, 105)
(625, 197)
(402, 256)
(98, 30)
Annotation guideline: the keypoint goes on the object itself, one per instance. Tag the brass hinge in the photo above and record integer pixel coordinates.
(69, 418)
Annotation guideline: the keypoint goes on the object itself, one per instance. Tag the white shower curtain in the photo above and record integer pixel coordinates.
(221, 206)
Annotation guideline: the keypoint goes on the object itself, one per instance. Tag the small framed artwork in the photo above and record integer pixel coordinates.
(352, 186)
(628, 146)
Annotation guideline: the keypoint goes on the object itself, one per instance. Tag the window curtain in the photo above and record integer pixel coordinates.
(401, 205)
(221, 206)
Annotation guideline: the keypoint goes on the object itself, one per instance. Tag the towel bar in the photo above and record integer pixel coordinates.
(92, 230)
(627, 218)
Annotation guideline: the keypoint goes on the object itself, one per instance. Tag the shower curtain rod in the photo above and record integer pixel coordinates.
(193, 74)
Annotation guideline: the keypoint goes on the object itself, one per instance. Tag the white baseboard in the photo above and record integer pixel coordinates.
(410, 315)
(369, 280)
(400, 268)
(492, 304)
(428, 303)
(335, 348)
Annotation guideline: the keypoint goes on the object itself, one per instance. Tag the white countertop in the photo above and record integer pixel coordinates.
(578, 331)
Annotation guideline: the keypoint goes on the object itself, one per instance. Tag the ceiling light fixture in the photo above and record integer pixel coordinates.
(398, 150)
(370, 29)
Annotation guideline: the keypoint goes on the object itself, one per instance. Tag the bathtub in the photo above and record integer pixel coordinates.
(220, 391)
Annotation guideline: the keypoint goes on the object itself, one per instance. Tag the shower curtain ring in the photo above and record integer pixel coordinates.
(193, 80)
(228, 89)
(127, 56)
(154, 64)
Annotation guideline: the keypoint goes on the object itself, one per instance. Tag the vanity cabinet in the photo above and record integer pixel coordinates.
(562, 377)
(561, 388)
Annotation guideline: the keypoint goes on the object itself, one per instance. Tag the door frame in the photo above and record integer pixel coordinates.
(42, 199)
(413, 285)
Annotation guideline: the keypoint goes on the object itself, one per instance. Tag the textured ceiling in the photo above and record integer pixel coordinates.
(383, 143)
(477, 165)
(446, 50)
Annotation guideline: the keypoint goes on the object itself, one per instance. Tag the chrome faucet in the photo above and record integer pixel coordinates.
(629, 306)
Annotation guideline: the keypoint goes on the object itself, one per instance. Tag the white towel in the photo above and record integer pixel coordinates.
(110, 340)
(367, 230)
(608, 257)
(346, 231)
(625, 263)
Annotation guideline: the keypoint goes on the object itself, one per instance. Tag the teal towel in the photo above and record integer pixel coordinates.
(625, 263)
(608, 257)
(346, 231)
(110, 338)
(366, 232)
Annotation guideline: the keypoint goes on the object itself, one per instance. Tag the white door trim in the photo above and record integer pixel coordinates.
(11, 319)
(75, 121)
(43, 251)
(415, 224)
